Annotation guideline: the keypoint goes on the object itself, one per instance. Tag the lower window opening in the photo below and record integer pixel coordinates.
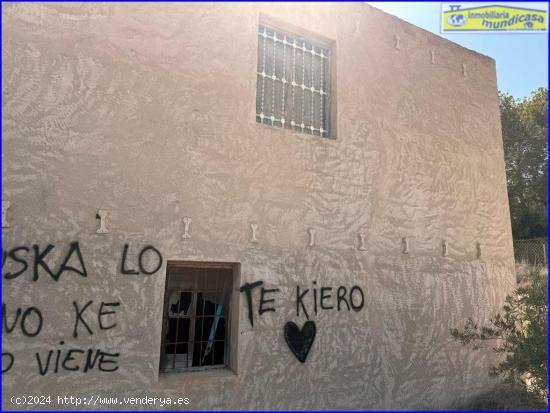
(196, 318)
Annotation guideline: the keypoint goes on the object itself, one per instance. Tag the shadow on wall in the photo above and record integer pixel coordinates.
(504, 398)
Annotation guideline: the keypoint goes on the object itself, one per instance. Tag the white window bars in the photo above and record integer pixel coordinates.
(293, 83)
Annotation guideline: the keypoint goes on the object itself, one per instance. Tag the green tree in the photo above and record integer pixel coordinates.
(524, 133)
(521, 333)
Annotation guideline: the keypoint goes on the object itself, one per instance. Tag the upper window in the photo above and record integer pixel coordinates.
(196, 318)
(293, 83)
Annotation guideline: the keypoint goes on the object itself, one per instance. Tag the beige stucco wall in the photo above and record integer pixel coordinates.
(148, 112)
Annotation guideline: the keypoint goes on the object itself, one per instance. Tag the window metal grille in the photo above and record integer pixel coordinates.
(293, 83)
(196, 311)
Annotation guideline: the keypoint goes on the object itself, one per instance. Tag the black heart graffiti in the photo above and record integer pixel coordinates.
(300, 342)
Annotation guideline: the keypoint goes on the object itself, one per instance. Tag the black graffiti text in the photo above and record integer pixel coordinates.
(323, 298)
(22, 258)
(8, 360)
(155, 261)
(29, 320)
(104, 316)
(265, 301)
(76, 359)
(308, 300)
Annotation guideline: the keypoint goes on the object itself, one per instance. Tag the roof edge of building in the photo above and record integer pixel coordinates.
(432, 34)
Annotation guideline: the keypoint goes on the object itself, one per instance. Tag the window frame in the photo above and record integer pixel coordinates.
(317, 40)
(230, 320)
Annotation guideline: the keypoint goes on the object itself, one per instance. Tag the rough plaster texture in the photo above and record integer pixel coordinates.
(148, 112)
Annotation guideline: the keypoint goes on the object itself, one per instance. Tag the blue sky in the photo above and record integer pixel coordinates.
(522, 59)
